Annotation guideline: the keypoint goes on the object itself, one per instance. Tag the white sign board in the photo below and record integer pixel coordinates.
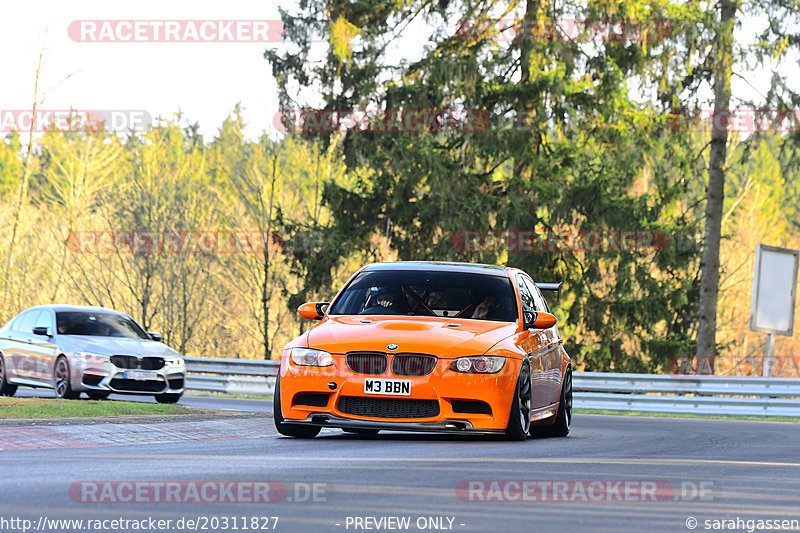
(774, 289)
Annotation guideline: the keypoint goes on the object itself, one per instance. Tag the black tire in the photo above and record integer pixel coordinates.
(362, 431)
(519, 419)
(169, 397)
(300, 431)
(62, 384)
(94, 395)
(560, 427)
(6, 388)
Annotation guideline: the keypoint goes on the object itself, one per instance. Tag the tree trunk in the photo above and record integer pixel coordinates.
(525, 105)
(22, 197)
(715, 194)
(265, 286)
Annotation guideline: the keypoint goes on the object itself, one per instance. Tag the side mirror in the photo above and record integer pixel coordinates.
(538, 320)
(43, 331)
(312, 310)
(158, 337)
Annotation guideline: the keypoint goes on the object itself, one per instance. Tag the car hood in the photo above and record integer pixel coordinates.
(115, 345)
(433, 335)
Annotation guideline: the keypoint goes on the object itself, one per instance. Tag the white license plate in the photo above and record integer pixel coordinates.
(139, 375)
(392, 387)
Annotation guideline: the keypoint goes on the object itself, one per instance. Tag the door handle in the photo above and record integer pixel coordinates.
(30, 341)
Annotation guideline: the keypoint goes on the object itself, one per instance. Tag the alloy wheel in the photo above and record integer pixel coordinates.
(568, 398)
(62, 377)
(524, 393)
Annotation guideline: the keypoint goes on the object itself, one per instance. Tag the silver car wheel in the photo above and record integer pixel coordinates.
(62, 377)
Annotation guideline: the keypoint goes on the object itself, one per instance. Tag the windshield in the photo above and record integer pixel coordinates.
(420, 293)
(98, 325)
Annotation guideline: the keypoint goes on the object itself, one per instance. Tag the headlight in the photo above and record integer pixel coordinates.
(480, 364)
(87, 357)
(311, 357)
(173, 362)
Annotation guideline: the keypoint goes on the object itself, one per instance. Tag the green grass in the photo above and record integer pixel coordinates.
(13, 408)
(667, 415)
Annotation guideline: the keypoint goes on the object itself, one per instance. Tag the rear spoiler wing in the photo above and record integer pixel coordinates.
(555, 287)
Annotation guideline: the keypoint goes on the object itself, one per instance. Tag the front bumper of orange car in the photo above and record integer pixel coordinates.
(443, 400)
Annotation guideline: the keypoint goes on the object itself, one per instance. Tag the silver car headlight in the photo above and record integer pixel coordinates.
(311, 357)
(89, 358)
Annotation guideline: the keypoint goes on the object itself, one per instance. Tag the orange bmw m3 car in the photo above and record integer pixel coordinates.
(428, 346)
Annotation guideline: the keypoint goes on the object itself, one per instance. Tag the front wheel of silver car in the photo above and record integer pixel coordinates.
(6, 388)
(169, 397)
(62, 383)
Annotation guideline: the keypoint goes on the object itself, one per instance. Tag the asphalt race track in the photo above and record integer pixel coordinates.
(700, 469)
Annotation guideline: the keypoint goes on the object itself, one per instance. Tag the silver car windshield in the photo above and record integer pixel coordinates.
(98, 325)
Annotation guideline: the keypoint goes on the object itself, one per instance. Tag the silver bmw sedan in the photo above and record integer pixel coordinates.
(75, 349)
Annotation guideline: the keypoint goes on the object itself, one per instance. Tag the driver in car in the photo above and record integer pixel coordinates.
(385, 297)
(482, 309)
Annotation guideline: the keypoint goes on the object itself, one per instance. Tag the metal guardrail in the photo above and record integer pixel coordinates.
(248, 377)
(647, 393)
(687, 394)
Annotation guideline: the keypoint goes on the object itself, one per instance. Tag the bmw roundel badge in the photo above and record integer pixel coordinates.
(392, 347)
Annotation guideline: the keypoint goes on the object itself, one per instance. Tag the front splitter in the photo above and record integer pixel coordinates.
(445, 426)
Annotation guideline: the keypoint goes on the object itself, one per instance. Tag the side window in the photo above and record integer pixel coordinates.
(525, 295)
(541, 304)
(544, 302)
